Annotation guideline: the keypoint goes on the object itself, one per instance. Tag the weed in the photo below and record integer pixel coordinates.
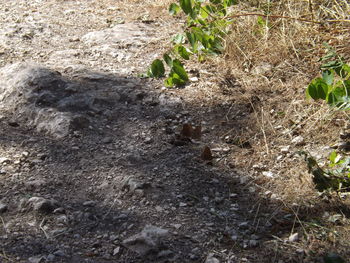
(334, 85)
(204, 32)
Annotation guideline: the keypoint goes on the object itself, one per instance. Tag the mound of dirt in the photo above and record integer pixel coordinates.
(37, 97)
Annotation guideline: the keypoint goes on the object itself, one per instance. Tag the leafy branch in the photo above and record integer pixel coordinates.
(334, 85)
(204, 31)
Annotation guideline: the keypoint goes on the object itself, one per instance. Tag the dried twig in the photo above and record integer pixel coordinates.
(3, 224)
(42, 228)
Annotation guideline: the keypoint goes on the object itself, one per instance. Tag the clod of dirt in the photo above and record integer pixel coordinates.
(42, 205)
(35, 184)
(206, 154)
(148, 240)
(187, 130)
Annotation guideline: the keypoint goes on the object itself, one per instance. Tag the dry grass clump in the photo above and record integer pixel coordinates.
(275, 58)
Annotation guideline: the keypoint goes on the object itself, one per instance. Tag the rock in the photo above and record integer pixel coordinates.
(253, 243)
(299, 140)
(89, 203)
(262, 68)
(107, 140)
(133, 184)
(293, 237)
(177, 226)
(244, 225)
(36, 259)
(39, 98)
(159, 209)
(4, 160)
(42, 205)
(268, 174)
(212, 259)
(59, 210)
(148, 140)
(59, 253)
(193, 257)
(285, 149)
(3, 208)
(116, 251)
(50, 257)
(62, 219)
(148, 240)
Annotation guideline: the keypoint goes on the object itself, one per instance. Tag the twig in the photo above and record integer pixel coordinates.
(42, 228)
(3, 224)
(263, 130)
(256, 214)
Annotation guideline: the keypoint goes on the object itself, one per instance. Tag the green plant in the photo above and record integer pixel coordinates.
(334, 88)
(335, 177)
(334, 85)
(204, 31)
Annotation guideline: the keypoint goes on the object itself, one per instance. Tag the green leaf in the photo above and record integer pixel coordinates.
(346, 85)
(338, 97)
(182, 51)
(168, 60)
(157, 69)
(186, 6)
(345, 71)
(334, 64)
(179, 70)
(203, 13)
(333, 156)
(210, 9)
(191, 37)
(174, 9)
(174, 80)
(328, 76)
(178, 39)
(317, 89)
(216, 46)
(230, 2)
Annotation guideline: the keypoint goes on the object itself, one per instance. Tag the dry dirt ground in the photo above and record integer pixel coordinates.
(83, 197)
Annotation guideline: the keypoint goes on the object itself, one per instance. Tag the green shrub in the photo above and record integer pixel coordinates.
(204, 31)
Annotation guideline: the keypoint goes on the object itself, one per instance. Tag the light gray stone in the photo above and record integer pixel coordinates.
(3, 208)
(149, 239)
(212, 259)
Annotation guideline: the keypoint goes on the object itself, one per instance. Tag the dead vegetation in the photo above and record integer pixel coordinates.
(274, 57)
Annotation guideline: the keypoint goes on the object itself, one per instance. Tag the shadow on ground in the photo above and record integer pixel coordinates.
(119, 173)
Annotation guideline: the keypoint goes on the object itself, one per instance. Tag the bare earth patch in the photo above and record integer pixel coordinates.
(94, 166)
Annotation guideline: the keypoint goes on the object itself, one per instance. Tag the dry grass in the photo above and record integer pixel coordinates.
(275, 61)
